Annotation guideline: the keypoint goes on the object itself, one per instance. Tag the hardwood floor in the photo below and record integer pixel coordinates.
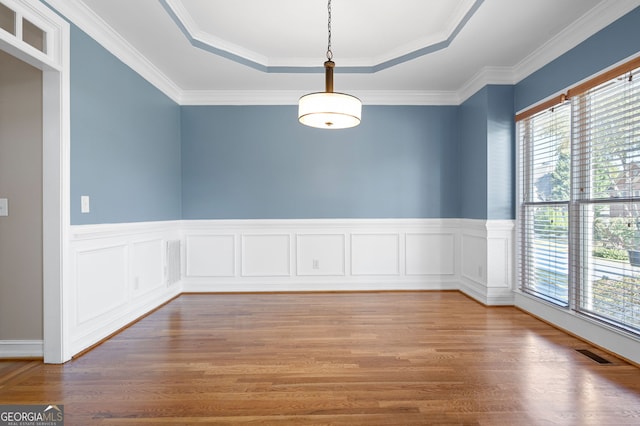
(428, 358)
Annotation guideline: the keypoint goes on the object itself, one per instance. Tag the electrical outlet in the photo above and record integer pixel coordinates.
(136, 283)
(316, 264)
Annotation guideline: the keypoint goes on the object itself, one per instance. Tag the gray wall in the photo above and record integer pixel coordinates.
(21, 183)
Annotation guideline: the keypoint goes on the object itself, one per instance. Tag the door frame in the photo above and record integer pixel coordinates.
(55, 65)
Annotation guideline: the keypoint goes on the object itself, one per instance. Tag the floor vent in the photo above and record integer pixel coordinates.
(174, 270)
(596, 358)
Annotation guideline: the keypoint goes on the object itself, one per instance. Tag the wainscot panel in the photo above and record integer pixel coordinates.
(118, 275)
(430, 254)
(266, 255)
(321, 255)
(119, 271)
(375, 254)
(487, 253)
(210, 255)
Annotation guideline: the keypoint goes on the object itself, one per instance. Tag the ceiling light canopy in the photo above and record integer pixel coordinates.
(329, 109)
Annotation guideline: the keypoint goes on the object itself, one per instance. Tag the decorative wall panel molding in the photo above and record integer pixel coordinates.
(117, 275)
(430, 254)
(102, 274)
(266, 255)
(210, 256)
(375, 254)
(321, 255)
(487, 258)
(119, 269)
(147, 266)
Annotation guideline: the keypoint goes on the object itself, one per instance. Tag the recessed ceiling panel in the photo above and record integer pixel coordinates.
(291, 35)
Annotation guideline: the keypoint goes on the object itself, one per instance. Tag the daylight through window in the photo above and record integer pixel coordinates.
(579, 199)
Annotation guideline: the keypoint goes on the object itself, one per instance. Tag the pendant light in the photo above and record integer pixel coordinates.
(329, 109)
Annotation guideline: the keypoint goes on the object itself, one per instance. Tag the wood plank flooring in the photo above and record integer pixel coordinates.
(407, 358)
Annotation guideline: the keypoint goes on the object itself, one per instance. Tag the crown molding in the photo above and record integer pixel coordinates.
(484, 77)
(290, 97)
(593, 21)
(83, 17)
(596, 19)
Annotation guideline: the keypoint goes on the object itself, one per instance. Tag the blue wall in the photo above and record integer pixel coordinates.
(125, 141)
(609, 46)
(486, 157)
(500, 153)
(141, 157)
(259, 162)
(473, 156)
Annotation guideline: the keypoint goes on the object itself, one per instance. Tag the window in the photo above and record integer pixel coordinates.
(579, 204)
(544, 210)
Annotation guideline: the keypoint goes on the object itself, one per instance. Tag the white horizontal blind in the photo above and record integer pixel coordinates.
(545, 144)
(606, 181)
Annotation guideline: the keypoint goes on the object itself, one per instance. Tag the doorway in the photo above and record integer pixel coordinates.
(49, 53)
(21, 197)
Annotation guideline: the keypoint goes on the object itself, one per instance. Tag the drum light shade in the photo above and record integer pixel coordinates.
(329, 110)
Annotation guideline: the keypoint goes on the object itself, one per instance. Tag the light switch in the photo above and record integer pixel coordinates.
(4, 207)
(84, 204)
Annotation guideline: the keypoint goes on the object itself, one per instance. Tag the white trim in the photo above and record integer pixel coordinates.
(21, 349)
(55, 165)
(593, 21)
(310, 268)
(290, 97)
(604, 14)
(110, 230)
(228, 286)
(87, 20)
(108, 252)
(487, 274)
(41, 16)
(595, 332)
(485, 77)
(494, 285)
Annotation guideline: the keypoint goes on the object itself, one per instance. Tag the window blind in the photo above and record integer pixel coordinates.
(544, 205)
(606, 182)
(579, 198)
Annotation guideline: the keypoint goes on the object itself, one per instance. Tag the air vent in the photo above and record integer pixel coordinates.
(173, 269)
(595, 357)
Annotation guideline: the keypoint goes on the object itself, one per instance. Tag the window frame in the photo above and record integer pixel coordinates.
(579, 200)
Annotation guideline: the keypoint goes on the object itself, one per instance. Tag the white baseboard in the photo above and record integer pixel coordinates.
(597, 333)
(21, 349)
(321, 286)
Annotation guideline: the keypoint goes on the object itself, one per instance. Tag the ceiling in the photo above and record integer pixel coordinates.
(405, 51)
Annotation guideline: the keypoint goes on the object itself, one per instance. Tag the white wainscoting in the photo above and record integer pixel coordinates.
(118, 273)
(321, 255)
(487, 257)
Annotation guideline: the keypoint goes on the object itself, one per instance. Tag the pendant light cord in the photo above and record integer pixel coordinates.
(329, 52)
